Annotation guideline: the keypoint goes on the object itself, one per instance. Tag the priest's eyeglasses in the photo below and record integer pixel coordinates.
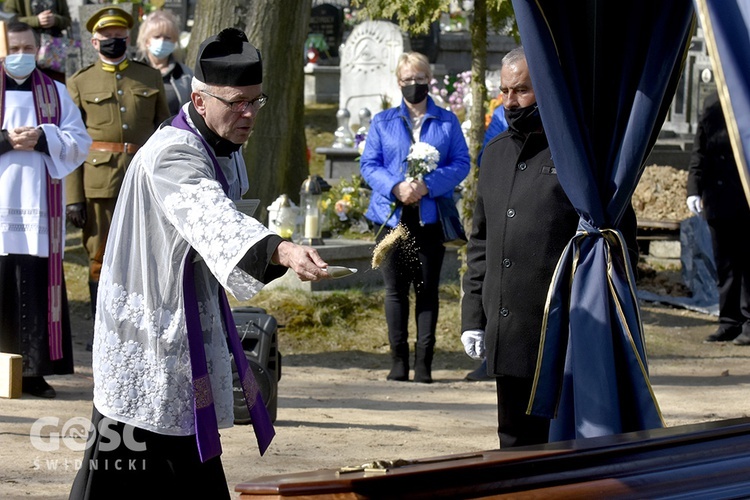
(241, 106)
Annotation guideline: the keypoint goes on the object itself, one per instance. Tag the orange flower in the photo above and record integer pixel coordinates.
(342, 207)
(491, 107)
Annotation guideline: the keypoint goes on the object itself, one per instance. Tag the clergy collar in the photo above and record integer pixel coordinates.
(115, 67)
(13, 84)
(221, 146)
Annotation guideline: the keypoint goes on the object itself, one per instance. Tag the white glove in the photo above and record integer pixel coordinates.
(473, 341)
(695, 204)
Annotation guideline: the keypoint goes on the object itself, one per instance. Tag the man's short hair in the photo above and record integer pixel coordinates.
(20, 27)
(197, 85)
(514, 56)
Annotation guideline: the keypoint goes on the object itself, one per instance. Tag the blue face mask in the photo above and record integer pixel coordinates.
(160, 48)
(20, 65)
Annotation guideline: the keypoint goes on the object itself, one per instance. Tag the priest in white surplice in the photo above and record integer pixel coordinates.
(43, 139)
(176, 242)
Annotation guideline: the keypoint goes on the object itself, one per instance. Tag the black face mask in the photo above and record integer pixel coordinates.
(113, 48)
(415, 93)
(524, 120)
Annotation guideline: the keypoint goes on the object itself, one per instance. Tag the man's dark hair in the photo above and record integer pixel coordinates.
(20, 27)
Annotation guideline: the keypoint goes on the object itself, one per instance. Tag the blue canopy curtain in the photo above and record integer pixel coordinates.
(726, 26)
(604, 73)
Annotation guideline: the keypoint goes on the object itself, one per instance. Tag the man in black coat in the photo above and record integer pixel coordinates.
(522, 222)
(714, 190)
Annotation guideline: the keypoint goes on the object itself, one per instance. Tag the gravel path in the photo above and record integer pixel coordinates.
(337, 409)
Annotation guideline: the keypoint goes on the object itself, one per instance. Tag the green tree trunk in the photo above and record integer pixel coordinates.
(276, 153)
(479, 96)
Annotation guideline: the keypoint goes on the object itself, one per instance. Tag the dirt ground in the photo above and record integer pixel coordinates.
(337, 409)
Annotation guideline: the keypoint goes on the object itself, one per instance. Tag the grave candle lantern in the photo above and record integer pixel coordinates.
(310, 195)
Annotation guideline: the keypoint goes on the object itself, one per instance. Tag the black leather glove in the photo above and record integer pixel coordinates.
(76, 214)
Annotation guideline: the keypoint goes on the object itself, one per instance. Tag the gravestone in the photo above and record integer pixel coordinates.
(696, 83)
(180, 10)
(338, 3)
(368, 68)
(328, 20)
(73, 8)
(427, 43)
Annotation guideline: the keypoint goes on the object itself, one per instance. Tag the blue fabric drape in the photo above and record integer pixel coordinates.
(726, 25)
(604, 74)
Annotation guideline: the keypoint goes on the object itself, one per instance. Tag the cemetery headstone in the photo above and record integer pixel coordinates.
(338, 3)
(368, 68)
(706, 87)
(180, 10)
(327, 21)
(427, 43)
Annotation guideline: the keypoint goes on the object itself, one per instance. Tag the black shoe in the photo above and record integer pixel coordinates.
(37, 386)
(423, 374)
(742, 339)
(723, 334)
(399, 363)
(398, 373)
(423, 364)
(399, 369)
(479, 375)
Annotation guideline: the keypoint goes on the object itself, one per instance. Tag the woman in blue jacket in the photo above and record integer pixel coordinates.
(383, 166)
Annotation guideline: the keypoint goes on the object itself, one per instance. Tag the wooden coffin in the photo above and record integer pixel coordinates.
(709, 460)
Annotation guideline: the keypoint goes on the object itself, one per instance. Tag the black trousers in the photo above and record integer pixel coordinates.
(416, 263)
(731, 246)
(514, 426)
(145, 465)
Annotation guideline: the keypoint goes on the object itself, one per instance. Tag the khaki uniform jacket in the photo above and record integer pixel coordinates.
(120, 107)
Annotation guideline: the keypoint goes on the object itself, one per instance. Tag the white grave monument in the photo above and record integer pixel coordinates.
(368, 68)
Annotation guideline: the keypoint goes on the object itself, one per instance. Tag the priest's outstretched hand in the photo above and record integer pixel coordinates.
(303, 260)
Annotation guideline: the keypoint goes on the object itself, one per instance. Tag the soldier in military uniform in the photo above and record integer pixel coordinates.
(122, 102)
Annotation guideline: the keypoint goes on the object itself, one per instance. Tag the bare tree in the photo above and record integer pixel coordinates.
(276, 153)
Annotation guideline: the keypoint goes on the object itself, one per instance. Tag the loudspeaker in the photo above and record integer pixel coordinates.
(258, 333)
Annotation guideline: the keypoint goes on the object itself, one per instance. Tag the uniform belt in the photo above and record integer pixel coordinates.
(115, 147)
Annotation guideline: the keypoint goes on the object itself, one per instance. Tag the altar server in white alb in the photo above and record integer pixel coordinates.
(43, 139)
(163, 331)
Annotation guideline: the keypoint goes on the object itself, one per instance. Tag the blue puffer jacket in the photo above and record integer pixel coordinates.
(388, 141)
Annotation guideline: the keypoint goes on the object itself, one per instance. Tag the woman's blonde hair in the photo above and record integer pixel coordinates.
(156, 21)
(417, 61)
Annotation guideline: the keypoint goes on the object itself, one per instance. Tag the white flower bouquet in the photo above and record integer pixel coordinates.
(422, 159)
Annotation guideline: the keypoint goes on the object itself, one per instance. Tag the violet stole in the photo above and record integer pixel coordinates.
(206, 425)
(47, 106)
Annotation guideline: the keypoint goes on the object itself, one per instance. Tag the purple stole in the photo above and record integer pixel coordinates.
(47, 105)
(206, 425)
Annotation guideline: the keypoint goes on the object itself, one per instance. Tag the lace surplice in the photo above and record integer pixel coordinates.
(169, 202)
